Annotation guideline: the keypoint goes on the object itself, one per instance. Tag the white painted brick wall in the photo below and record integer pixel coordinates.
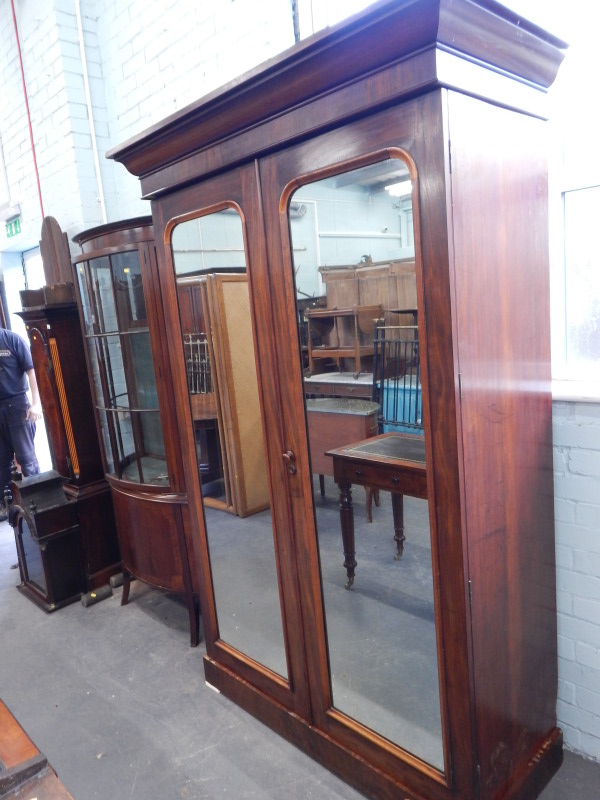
(184, 50)
(53, 74)
(13, 123)
(576, 431)
(138, 75)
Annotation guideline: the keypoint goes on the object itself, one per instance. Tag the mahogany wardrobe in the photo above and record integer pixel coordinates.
(392, 171)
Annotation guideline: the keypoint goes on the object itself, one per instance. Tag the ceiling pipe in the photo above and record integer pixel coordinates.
(35, 166)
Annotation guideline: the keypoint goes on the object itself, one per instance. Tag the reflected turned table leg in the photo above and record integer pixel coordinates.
(398, 513)
(347, 523)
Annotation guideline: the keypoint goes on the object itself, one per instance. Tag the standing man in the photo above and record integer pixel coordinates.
(17, 416)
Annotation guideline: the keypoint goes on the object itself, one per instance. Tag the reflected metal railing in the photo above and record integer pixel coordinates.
(197, 363)
(397, 378)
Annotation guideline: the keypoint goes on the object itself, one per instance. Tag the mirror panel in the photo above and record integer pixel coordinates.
(353, 247)
(216, 329)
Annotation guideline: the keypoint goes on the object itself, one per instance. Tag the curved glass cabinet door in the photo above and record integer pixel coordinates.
(120, 358)
(354, 261)
(214, 312)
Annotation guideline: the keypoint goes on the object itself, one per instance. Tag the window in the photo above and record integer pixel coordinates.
(575, 209)
(33, 268)
(580, 350)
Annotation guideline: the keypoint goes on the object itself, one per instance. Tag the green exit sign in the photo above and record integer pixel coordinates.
(13, 228)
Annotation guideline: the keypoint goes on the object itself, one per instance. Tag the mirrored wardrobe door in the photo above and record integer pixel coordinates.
(353, 246)
(217, 307)
(220, 363)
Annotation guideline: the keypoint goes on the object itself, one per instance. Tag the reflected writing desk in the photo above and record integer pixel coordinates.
(393, 462)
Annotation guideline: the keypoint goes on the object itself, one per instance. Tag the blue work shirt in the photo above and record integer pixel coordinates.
(15, 361)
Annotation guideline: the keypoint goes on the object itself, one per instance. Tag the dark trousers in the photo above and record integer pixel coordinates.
(16, 440)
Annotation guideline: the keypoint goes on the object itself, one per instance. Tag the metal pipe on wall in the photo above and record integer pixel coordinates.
(88, 100)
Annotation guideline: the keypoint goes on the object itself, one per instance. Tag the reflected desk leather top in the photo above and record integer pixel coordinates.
(396, 446)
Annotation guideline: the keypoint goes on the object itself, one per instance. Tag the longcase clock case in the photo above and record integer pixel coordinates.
(441, 101)
(52, 323)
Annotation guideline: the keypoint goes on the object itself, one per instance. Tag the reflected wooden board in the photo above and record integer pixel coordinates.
(235, 367)
(339, 384)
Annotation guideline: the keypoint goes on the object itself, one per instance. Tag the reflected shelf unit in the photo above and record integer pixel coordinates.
(349, 333)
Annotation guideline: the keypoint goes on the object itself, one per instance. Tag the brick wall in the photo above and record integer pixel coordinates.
(576, 432)
(145, 60)
(16, 147)
(157, 56)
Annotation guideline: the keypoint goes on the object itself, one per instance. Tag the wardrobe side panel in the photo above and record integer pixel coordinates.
(500, 219)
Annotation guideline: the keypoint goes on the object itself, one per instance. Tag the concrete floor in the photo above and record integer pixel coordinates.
(116, 700)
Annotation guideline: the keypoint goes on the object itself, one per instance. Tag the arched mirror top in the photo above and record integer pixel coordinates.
(208, 240)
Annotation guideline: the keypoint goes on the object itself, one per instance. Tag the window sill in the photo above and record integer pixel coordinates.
(576, 391)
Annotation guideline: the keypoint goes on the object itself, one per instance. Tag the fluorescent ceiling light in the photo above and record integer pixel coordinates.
(401, 189)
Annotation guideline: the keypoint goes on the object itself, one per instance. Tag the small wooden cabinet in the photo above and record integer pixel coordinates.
(334, 422)
(456, 674)
(49, 544)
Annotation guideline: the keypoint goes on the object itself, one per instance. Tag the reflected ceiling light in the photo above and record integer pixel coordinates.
(401, 189)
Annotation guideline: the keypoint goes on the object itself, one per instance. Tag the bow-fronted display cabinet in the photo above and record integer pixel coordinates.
(121, 345)
(393, 165)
